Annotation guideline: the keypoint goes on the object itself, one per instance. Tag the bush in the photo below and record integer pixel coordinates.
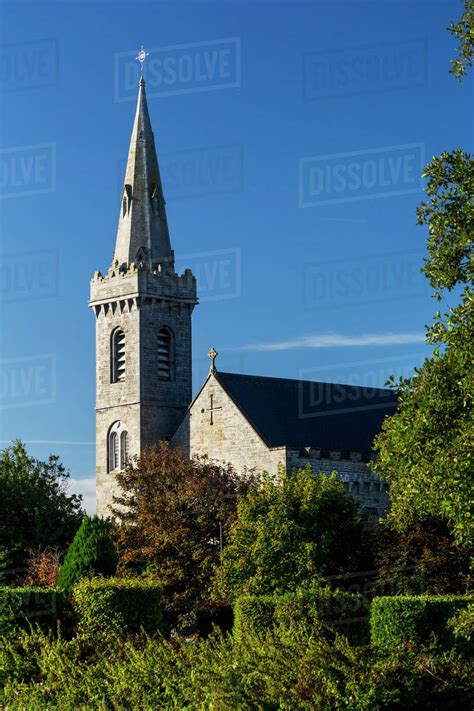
(284, 670)
(43, 567)
(414, 619)
(117, 606)
(348, 613)
(21, 606)
(91, 551)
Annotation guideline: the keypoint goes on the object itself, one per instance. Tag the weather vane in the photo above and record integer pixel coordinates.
(141, 56)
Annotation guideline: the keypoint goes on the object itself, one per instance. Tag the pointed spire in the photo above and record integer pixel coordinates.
(142, 233)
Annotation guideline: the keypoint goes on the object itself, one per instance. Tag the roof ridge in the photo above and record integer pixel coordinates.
(301, 380)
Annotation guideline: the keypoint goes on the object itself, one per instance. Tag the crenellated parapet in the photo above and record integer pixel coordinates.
(130, 287)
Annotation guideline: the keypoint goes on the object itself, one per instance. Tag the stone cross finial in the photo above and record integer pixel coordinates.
(213, 355)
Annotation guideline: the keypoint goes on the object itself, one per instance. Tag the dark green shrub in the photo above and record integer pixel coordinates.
(346, 612)
(91, 551)
(117, 606)
(21, 606)
(414, 618)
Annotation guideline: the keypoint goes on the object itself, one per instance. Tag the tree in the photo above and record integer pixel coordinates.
(91, 551)
(290, 531)
(36, 507)
(464, 32)
(169, 516)
(425, 450)
(423, 558)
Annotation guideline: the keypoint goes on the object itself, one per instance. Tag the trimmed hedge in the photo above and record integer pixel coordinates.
(20, 607)
(415, 618)
(117, 606)
(347, 612)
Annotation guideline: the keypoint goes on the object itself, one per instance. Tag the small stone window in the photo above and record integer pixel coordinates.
(117, 356)
(126, 199)
(165, 354)
(117, 447)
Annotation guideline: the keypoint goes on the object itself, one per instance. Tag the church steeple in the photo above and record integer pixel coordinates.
(142, 234)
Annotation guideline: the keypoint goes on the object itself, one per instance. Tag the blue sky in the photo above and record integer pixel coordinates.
(290, 137)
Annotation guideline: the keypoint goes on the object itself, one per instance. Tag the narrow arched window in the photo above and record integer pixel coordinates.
(117, 359)
(123, 449)
(165, 354)
(113, 451)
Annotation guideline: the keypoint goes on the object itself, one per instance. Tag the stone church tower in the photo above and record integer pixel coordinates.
(143, 321)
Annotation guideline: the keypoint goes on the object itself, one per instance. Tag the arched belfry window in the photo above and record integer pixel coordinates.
(165, 354)
(117, 356)
(117, 447)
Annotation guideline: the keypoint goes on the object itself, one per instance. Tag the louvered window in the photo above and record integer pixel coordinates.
(123, 449)
(113, 451)
(165, 354)
(118, 356)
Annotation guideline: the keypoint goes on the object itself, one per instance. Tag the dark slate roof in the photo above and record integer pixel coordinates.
(303, 413)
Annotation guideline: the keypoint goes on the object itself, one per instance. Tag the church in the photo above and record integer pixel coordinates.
(143, 312)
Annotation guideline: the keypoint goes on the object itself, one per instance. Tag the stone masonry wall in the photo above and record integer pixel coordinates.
(230, 439)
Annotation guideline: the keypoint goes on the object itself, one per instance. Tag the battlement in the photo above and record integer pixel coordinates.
(138, 281)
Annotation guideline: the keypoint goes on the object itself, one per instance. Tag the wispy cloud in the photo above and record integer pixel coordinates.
(335, 340)
(51, 441)
(86, 487)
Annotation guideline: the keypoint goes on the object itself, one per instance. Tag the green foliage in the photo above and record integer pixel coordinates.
(254, 613)
(91, 551)
(425, 449)
(117, 606)
(36, 508)
(462, 624)
(290, 530)
(20, 607)
(449, 216)
(414, 619)
(464, 33)
(279, 670)
(305, 608)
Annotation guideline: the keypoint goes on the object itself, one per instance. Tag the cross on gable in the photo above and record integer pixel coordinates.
(211, 409)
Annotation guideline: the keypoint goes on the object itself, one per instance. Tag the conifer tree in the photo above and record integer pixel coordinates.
(91, 551)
